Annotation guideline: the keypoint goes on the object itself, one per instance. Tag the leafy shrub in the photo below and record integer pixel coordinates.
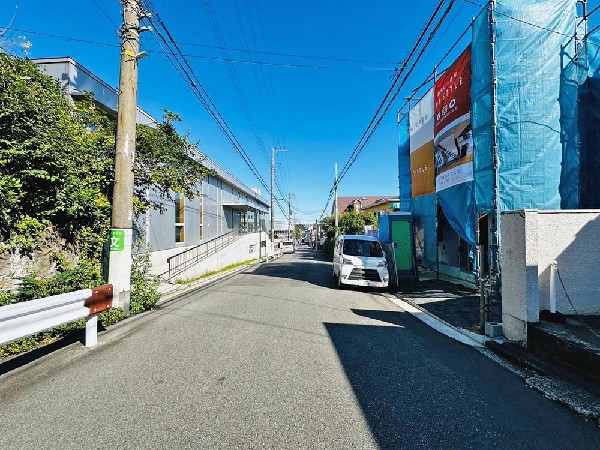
(6, 298)
(144, 288)
(83, 275)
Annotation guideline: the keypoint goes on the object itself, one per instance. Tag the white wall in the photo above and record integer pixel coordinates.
(245, 248)
(531, 240)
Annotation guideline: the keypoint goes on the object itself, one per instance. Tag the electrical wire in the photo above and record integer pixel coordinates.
(593, 11)
(292, 55)
(204, 57)
(590, 329)
(390, 95)
(434, 73)
(110, 19)
(214, 23)
(183, 67)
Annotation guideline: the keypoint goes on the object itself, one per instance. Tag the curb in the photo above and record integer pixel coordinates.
(460, 334)
(516, 356)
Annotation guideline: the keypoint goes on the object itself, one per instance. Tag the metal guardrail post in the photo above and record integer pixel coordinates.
(91, 331)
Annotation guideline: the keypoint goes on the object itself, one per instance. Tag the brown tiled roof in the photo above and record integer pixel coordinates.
(344, 202)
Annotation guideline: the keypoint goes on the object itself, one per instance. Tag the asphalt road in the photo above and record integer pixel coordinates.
(277, 357)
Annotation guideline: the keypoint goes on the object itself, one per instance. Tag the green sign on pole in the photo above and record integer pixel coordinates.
(117, 240)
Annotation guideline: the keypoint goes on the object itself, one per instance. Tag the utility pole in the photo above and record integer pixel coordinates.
(272, 200)
(119, 269)
(335, 185)
(289, 217)
(273, 150)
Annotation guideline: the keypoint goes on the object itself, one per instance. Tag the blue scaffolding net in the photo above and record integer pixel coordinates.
(404, 165)
(536, 104)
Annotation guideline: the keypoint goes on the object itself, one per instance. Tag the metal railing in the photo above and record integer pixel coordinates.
(181, 262)
(34, 316)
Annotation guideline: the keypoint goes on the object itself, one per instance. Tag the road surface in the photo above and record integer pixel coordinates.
(277, 358)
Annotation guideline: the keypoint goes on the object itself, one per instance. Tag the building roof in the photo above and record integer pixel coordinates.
(381, 201)
(78, 80)
(345, 202)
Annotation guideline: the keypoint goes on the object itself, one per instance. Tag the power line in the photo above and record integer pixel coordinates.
(214, 23)
(292, 55)
(389, 92)
(208, 58)
(389, 97)
(593, 11)
(103, 11)
(182, 66)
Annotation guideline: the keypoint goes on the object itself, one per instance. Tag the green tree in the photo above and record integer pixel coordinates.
(348, 223)
(57, 173)
(57, 161)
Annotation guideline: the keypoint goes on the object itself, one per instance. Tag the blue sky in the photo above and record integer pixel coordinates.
(315, 99)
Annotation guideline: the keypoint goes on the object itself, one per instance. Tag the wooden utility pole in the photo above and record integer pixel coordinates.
(119, 271)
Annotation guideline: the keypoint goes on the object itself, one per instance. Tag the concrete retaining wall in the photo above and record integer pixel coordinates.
(245, 248)
(531, 240)
(158, 259)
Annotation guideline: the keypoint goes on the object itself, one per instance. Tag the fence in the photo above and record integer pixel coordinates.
(180, 262)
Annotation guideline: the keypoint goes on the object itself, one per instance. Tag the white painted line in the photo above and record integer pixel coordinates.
(440, 325)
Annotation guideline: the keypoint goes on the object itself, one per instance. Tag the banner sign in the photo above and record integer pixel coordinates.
(421, 120)
(453, 139)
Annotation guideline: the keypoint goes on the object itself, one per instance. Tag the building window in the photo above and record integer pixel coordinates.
(179, 218)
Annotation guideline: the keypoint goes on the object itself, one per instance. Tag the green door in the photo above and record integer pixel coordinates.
(402, 245)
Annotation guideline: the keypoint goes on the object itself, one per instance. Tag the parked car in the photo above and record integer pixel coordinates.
(359, 261)
(288, 247)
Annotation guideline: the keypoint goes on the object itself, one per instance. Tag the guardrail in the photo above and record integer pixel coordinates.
(34, 316)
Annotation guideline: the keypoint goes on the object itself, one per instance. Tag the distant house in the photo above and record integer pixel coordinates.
(382, 206)
(368, 204)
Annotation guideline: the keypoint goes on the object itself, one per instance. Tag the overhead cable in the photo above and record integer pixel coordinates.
(390, 95)
(185, 70)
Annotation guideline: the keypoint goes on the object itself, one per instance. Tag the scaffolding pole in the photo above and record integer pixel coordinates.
(486, 298)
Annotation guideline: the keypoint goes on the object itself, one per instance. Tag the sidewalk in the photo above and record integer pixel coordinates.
(562, 359)
(455, 302)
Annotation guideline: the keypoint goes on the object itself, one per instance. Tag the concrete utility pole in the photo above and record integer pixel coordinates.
(273, 150)
(335, 185)
(119, 270)
(272, 200)
(289, 217)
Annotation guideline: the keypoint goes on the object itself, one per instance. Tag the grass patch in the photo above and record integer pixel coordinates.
(214, 272)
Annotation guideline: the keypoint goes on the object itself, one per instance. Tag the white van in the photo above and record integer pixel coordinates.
(359, 261)
(287, 246)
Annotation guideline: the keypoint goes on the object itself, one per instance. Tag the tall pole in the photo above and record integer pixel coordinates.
(272, 200)
(119, 270)
(289, 217)
(273, 150)
(335, 185)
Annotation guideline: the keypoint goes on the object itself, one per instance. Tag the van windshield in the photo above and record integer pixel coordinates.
(356, 247)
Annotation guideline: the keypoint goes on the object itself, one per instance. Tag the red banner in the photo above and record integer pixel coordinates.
(452, 92)
(453, 137)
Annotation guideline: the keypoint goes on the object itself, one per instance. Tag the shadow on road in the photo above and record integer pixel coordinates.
(305, 265)
(417, 389)
(22, 359)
